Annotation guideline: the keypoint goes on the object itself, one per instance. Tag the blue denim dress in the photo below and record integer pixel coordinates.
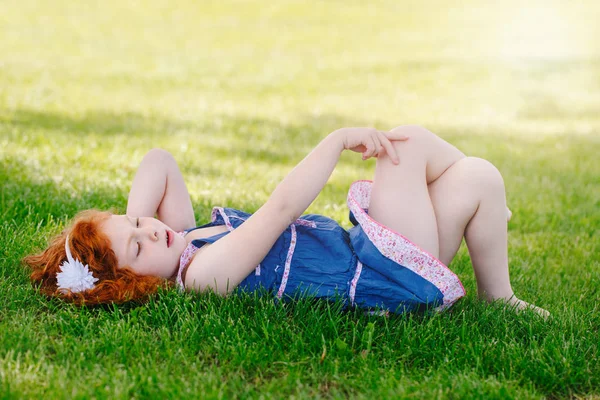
(368, 266)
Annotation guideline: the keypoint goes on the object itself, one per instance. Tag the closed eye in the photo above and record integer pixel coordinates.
(139, 245)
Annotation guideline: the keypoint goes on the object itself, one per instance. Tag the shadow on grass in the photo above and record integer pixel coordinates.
(561, 171)
(256, 138)
(96, 122)
(115, 123)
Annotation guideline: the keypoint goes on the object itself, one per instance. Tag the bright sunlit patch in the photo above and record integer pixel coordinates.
(537, 31)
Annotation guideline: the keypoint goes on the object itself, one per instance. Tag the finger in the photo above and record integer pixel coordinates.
(377, 148)
(382, 137)
(371, 148)
(389, 148)
(395, 135)
(368, 150)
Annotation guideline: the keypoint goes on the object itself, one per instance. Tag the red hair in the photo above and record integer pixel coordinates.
(91, 246)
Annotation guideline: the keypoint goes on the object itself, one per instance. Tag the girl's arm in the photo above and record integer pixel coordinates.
(222, 265)
(304, 183)
(158, 190)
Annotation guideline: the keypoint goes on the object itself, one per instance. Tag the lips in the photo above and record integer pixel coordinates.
(169, 237)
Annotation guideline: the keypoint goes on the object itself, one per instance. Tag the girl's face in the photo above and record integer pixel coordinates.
(145, 244)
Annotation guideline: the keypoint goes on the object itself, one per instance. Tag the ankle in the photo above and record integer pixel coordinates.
(508, 297)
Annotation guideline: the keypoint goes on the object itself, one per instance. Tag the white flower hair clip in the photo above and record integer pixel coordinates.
(73, 275)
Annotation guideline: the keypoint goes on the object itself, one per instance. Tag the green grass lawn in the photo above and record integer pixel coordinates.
(240, 91)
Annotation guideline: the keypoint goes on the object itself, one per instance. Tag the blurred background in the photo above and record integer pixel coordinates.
(240, 88)
(530, 66)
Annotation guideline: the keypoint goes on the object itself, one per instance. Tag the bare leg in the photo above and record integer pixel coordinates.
(400, 196)
(469, 199)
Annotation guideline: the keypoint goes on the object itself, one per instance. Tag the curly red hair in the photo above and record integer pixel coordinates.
(91, 246)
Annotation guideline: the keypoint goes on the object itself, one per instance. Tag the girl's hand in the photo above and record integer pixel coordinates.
(370, 142)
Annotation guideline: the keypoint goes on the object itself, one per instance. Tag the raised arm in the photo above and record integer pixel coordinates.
(158, 189)
(224, 264)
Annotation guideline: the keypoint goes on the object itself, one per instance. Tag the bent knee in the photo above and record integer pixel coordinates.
(414, 131)
(158, 154)
(418, 141)
(419, 138)
(482, 172)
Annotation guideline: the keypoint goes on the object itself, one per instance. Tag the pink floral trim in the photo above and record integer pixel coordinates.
(401, 250)
(288, 262)
(305, 222)
(184, 260)
(221, 211)
(354, 281)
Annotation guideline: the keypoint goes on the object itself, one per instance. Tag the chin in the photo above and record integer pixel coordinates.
(174, 274)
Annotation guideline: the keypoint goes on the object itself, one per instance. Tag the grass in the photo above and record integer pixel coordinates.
(239, 91)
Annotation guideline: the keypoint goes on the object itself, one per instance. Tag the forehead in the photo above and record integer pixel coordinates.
(115, 228)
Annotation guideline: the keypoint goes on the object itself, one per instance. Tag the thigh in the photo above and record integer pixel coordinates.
(400, 197)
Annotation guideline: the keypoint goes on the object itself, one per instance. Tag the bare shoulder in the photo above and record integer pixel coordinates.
(194, 266)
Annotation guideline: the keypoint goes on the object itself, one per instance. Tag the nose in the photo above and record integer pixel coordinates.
(150, 233)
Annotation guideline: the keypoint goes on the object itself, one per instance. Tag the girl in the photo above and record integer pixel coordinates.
(409, 223)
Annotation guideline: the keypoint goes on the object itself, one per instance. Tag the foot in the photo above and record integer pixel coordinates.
(520, 305)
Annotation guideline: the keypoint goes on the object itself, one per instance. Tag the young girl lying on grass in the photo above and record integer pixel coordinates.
(409, 223)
